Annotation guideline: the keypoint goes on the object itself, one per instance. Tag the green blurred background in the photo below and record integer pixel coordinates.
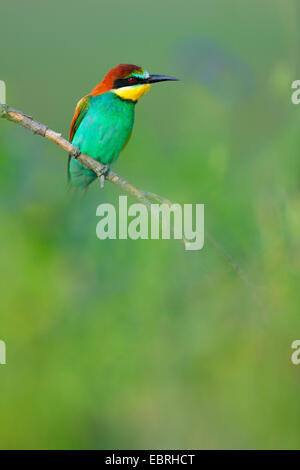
(140, 344)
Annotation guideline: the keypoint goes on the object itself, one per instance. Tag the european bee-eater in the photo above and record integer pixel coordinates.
(103, 119)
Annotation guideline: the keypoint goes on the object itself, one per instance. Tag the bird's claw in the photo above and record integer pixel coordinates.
(102, 175)
(76, 152)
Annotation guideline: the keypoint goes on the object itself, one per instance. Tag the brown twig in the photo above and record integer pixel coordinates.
(144, 197)
(36, 127)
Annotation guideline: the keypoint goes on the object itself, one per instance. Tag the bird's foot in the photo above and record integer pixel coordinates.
(102, 175)
(76, 153)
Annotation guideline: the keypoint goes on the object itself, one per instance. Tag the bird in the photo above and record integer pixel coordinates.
(103, 119)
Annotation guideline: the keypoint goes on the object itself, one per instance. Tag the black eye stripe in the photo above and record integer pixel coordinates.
(121, 82)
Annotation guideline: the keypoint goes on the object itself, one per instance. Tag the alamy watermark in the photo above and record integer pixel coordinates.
(2, 352)
(295, 357)
(184, 222)
(2, 92)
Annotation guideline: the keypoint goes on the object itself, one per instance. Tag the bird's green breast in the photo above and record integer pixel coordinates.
(102, 133)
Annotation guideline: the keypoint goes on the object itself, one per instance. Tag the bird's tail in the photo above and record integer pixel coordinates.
(78, 175)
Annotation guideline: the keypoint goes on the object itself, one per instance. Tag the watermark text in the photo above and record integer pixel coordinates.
(2, 92)
(2, 352)
(181, 222)
(295, 358)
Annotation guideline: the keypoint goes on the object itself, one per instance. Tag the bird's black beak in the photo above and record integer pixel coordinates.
(161, 78)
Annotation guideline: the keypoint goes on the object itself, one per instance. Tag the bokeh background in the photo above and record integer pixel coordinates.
(140, 344)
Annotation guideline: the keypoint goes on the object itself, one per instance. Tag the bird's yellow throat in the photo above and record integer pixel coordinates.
(133, 93)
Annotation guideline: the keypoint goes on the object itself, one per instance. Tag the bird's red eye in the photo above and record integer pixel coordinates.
(132, 79)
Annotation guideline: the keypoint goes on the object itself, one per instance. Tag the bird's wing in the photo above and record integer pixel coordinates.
(80, 112)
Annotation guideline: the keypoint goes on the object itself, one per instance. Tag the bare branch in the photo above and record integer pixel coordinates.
(36, 127)
(144, 197)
